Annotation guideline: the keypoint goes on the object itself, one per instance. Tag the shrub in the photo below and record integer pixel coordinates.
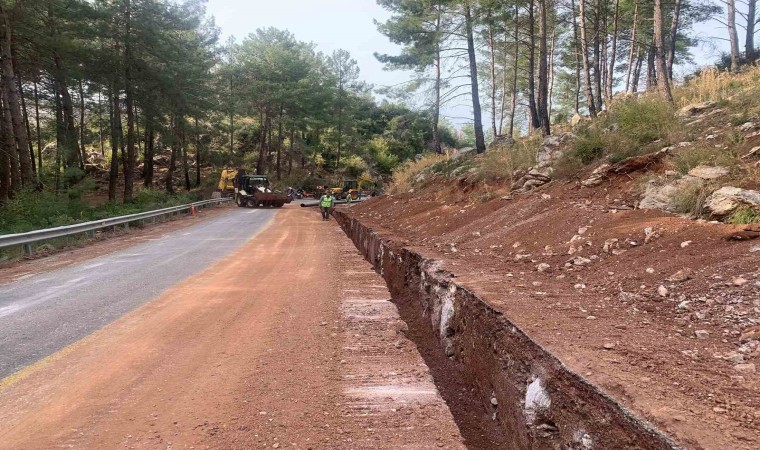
(404, 176)
(689, 158)
(644, 119)
(589, 148)
(745, 216)
(690, 199)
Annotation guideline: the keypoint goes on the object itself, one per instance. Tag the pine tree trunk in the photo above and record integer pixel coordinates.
(115, 116)
(577, 49)
(663, 83)
(150, 142)
(598, 101)
(37, 125)
(732, 36)
(437, 107)
(492, 74)
(69, 135)
(131, 160)
(7, 149)
(613, 52)
(584, 57)
(480, 143)
(290, 150)
(10, 84)
(83, 152)
(280, 140)
(232, 122)
(60, 132)
(262, 147)
(173, 158)
(535, 120)
(197, 155)
(749, 42)
(637, 71)
(543, 70)
(185, 161)
(513, 99)
(673, 38)
(651, 61)
(634, 45)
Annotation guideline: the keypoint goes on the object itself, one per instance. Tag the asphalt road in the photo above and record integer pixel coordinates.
(44, 313)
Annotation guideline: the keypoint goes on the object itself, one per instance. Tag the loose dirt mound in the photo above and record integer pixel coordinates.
(660, 312)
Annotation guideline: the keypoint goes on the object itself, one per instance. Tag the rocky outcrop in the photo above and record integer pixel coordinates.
(695, 108)
(709, 172)
(660, 196)
(553, 147)
(728, 199)
(532, 179)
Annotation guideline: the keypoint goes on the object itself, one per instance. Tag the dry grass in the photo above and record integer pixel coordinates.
(690, 199)
(715, 85)
(499, 164)
(404, 177)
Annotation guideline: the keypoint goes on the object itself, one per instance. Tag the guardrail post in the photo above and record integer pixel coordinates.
(126, 226)
(91, 234)
(28, 249)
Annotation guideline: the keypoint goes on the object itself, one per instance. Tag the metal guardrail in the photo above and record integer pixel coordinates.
(27, 239)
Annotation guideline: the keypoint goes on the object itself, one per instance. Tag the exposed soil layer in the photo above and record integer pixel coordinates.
(290, 342)
(654, 311)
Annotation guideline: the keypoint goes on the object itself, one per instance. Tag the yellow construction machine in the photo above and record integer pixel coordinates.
(355, 188)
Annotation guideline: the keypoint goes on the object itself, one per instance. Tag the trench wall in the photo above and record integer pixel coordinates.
(535, 400)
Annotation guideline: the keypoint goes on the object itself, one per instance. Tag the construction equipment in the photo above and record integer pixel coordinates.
(227, 182)
(254, 190)
(355, 188)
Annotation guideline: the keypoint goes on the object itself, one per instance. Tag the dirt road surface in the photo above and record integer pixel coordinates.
(288, 342)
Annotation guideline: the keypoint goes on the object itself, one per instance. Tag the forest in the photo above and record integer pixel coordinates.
(111, 102)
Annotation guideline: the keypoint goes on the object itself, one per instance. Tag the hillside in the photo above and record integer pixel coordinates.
(628, 250)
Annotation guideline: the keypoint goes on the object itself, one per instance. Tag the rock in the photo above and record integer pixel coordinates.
(739, 281)
(681, 276)
(597, 176)
(609, 346)
(728, 199)
(754, 151)
(747, 126)
(701, 334)
(543, 267)
(575, 120)
(719, 410)
(684, 305)
(750, 334)
(650, 234)
(494, 401)
(650, 270)
(754, 249)
(626, 297)
(657, 196)
(610, 245)
(745, 368)
(685, 244)
(580, 286)
(580, 261)
(708, 172)
(734, 357)
(695, 108)
(503, 141)
(591, 318)
(553, 147)
(582, 230)
(662, 291)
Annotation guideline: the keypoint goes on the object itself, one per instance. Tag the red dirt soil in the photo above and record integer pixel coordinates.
(670, 354)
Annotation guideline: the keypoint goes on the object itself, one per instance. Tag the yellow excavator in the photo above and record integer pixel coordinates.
(227, 182)
(355, 188)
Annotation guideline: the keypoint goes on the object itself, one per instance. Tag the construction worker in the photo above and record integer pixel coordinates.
(349, 198)
(326, 202)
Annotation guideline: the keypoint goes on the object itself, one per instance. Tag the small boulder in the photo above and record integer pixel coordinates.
(695, 108)
(728, 199)
(553, 147)
(708, 172)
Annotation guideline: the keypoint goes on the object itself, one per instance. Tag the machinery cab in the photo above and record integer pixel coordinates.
(248, 184)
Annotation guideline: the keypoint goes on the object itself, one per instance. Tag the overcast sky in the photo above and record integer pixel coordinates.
(349, 24)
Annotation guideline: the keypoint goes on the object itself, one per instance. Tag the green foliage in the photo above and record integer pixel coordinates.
(745, 216)
(644, 119)
(589, 148)
(36, 210)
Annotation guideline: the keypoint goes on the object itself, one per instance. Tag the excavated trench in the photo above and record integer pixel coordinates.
(503, 388)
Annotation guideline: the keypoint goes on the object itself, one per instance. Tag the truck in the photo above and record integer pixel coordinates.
(254, 191)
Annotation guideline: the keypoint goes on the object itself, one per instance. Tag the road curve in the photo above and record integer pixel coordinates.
(46, 312)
